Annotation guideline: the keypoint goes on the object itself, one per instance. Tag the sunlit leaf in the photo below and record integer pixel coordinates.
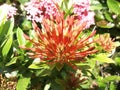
(7, 46)
(20, 37)
(110, 78)
(95, 5)
(23, 83)
(103, 58)
(38, 66)
(13, 61)
(108, 16)
(114, 6)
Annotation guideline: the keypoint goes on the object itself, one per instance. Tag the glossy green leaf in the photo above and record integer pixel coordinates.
(7, 46)
(23, 83)
(114, 6)
(13, 61)
(20, 37)
(103, 58)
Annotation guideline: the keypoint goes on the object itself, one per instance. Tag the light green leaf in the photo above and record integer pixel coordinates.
(95, 5)
(23, 83)
(112, 86)
(13, 61)
(20, 37)
(23, 1)
(38, 66)
(111, 78)
(4, 30)
(7, 46)
(114, 6)
(108, 16)
(11, 26)
(103, 58)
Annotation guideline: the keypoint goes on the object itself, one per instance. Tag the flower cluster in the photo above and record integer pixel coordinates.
(58, 41)
(82, 9)
(9, 10)
(37, 10)
(106, 42)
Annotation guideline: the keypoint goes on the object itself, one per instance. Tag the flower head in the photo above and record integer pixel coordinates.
(37, 10)
(83, 13)
(58, 41)
(106, 42)
(9, 10)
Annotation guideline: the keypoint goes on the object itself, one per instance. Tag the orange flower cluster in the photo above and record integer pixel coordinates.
(106, 42)
(59, 41)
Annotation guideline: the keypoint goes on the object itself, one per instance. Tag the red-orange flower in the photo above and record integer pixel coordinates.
(60, 41)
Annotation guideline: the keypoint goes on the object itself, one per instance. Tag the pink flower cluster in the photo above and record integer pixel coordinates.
(37, 10)
(82, 11)
(9, 10)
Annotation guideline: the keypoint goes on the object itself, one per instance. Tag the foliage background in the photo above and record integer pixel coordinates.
(101, 69)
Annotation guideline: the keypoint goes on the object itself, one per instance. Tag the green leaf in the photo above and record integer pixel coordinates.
(108, 16)
(23, 83)
(7, 46)
(11, 26)
(117, 60)
(4, 30)
(23, 1)
(13, 61)
(95, 5)
(103, 58)
(112, 86)
(38, 66)
(83, 65)
(26, 25)
(20, 37)
(114, 6)
(110, 78)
